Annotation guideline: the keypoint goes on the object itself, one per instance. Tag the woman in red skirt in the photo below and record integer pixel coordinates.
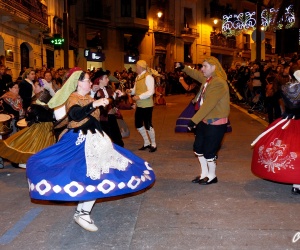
(276, 152)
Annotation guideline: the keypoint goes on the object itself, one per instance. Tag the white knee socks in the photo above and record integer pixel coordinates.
(203, 165)
(143, 133)
(151, 134)
(211, 168)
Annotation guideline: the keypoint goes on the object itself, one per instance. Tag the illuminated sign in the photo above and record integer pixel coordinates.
(57, 41)
(94, 56)
(86, 52)
(130, 59)
(234, 24)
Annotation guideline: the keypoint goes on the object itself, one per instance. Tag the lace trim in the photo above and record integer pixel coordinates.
(101, 156)
(80, 138)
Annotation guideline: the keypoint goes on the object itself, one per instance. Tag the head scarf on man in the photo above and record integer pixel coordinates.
(219, 71)
(62, 95)
(143, 64)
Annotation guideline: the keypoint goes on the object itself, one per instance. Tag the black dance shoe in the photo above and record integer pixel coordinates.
(295, 191)
(145, 147)
(197, 179)
(152, 149)
(205, 181)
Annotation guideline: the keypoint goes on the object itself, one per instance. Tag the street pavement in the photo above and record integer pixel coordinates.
(241, 211)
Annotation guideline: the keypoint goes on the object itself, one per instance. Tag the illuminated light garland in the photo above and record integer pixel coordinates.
(233, 25)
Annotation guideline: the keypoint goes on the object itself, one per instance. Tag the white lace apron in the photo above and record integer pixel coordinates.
(100, 155)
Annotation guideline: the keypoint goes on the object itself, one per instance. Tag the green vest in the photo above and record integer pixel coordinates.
(140, 88)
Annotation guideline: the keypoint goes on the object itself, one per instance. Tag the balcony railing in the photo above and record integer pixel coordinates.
(222, 41)
(189, 32)
(32, 11)
(166, 26)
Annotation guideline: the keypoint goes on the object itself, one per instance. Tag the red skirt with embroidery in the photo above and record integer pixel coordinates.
(276, 156)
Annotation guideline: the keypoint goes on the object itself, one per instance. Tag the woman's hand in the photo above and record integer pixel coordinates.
(101, 102)
(128, 91)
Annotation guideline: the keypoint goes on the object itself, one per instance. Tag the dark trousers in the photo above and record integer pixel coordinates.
(208, 139)
(143, 117)
(111, 128)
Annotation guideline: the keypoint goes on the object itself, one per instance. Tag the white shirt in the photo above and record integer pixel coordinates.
(150, 86)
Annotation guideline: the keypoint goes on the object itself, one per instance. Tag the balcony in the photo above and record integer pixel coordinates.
(189, 33)
(217, 39)
(166, 26)
(27, 12)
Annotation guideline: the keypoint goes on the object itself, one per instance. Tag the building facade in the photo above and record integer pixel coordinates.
(26, 28)
(115, 34)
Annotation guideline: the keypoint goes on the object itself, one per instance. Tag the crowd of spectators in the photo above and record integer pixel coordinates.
(258, 83)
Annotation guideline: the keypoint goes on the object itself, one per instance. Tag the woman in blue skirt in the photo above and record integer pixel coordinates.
(84, 165)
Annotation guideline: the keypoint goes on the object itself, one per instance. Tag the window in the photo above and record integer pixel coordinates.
(188, 18)
(141, 9)
(125, 8)
(95, 8)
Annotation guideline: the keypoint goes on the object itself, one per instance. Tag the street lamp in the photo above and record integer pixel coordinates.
(159, 14)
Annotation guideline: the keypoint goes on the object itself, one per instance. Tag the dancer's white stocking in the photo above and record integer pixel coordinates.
(143, 133)
(151, 134)
(203, 165)
(211, 168)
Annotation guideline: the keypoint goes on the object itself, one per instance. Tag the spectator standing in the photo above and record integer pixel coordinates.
(49, 83)
(59, 77)
(27, 87)
(3, 87)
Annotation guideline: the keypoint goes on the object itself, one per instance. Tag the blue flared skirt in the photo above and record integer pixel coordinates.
(59, 172)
